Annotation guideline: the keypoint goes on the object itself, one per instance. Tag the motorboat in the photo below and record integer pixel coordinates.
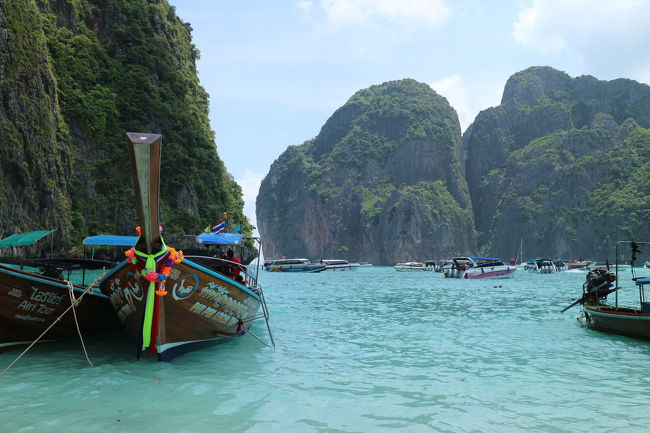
(560, 266)
(606, 265)
(541, 266)
(410, 267)
(338, 265)
(443, 265)
(479, 267)
(578, 264)
(293, 265)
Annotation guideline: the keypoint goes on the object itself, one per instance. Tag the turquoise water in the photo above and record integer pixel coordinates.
(367, 351)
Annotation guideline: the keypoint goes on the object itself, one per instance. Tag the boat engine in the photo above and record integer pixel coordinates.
(598, 283)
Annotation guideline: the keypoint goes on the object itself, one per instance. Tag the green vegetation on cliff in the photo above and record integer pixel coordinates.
(114, 66)
(561, 164)
(34, 146)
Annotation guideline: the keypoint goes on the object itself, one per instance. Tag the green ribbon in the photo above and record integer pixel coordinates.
(151, 293)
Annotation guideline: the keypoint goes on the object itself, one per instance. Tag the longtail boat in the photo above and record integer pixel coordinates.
(34, 294)
(171, 303)
(608, 316)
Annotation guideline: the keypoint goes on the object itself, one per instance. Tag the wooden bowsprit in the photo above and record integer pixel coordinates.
(172, 304)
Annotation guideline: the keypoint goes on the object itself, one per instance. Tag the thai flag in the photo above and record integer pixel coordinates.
(219, 227)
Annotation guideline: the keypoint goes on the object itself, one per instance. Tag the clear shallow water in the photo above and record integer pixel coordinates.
(367, 351)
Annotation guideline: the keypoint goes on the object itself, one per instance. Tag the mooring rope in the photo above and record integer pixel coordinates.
(73, 303)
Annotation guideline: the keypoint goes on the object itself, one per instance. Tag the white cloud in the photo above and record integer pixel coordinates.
(306, 5)
(451, 88)
(250, 185)
(467, 104)
(603, 35)
(355, 13)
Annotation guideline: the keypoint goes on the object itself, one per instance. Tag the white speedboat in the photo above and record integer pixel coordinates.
(293, 265)
(443, 266)
(338, 265)
(541, 266)
(560, 266)
(473, 268)
(410, 267)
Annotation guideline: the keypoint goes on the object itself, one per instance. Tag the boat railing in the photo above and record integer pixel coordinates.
(264, 314)
(222, 266)
(77, 271)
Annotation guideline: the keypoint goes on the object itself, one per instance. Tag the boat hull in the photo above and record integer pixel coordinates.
(497, 272)
(30, 303)
(410, 269)
(201, 307)
(295, 268)
(624, 321)
(494, 273)
(349, 267)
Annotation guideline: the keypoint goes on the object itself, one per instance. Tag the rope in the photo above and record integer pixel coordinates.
(73, 302)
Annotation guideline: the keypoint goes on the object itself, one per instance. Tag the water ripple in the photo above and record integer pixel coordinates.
(368, 351)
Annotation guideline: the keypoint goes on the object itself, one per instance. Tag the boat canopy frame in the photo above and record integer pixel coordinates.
(639, 282)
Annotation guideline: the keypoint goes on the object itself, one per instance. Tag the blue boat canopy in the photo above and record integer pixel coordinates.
(643, 281)
(123, 241)
(484, 258)
(219, 238)
(22, 239)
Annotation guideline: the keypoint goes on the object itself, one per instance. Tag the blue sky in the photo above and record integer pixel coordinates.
(276, 70)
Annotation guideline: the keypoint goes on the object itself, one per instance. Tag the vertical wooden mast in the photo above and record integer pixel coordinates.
(144, 153)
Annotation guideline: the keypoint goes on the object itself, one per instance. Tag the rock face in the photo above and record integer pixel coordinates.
(383, 182)
(75, 77)
(35, 157)
(561, 165)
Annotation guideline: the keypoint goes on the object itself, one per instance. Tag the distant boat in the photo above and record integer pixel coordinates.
(600, 315)
(410, 267)
(578, 264)
(560, 266)
(479, 267)
(35, 294)
(293, 265)
(646, 265)
(541, 266)
(170, 303)
(443, 265)
(365, 265)
(604, 265)
(338, 265)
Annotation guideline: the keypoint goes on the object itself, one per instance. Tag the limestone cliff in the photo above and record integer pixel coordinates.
(561, 165)
(35, 154)
(383, 182)
(76, 75)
